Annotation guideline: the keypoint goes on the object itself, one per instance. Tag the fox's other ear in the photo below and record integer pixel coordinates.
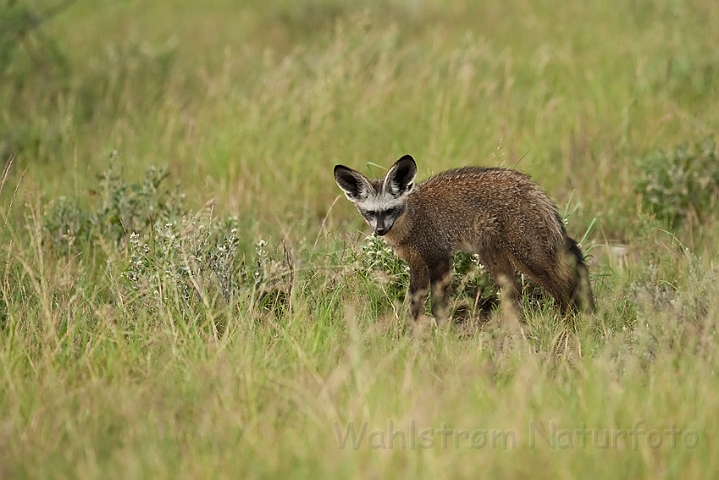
(354, 184)
(400, 178)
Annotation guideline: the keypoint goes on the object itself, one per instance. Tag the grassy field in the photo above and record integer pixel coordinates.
(184, 294)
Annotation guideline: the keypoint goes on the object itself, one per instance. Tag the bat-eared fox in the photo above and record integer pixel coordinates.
(498, 213)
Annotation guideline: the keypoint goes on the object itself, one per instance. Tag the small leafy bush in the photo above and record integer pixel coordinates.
(67, 225)
(198, 259)
(470, 281)
(193, 258)
(133, 207)
(123, 208)
(168, 254)
(682, 184)
(378, 257)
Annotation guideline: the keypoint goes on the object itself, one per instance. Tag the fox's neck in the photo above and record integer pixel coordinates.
(400, 230)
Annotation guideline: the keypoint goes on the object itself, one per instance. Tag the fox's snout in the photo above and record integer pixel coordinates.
(382, 224)
(381, 230)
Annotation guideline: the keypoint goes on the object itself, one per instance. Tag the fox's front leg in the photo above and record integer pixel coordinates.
(440, 276)
(418, 289)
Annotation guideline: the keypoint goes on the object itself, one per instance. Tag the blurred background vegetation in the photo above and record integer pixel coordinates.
(252, 103)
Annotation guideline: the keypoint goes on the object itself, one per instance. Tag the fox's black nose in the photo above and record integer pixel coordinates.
(381, 230)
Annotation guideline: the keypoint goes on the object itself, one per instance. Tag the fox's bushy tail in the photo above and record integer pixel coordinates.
(581, 294)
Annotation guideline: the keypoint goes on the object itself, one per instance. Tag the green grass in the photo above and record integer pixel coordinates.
(230, 320)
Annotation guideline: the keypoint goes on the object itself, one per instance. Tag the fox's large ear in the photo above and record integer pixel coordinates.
(400, 178)
(354, 184)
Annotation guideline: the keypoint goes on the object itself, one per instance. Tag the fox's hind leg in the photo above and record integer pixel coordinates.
(563, 274)
(502, 271)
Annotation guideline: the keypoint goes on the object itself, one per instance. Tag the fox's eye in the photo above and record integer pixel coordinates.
(368, 213)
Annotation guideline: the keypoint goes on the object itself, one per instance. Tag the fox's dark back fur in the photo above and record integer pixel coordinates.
(500, 214)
